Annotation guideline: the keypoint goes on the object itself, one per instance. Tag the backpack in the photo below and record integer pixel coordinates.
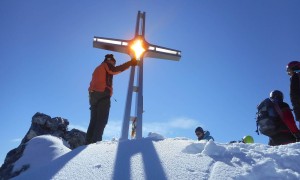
(268, 118)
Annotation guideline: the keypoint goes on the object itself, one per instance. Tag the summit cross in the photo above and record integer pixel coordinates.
(137, 48)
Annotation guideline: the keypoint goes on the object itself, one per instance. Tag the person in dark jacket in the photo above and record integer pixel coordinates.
(287, 129)
(100, 91)
(203, 135)
(293, 69)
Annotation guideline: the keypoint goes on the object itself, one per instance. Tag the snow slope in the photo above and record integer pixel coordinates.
(158, 158)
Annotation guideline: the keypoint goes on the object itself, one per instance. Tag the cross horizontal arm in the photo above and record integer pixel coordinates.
(119, 45)
(111, 44)
(160, 52)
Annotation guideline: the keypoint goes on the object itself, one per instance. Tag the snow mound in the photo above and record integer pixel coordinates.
(166, 158)
(41, 151)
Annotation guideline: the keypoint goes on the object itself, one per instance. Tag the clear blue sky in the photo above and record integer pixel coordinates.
(233, 54)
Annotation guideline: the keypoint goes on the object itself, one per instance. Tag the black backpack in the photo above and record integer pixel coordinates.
(268, 118)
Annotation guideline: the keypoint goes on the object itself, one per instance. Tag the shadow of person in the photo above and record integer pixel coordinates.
(127, 149)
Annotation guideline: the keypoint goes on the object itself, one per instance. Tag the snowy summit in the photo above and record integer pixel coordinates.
(158, 158)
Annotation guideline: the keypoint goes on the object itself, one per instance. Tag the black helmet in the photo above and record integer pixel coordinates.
(199, 129)
(276, 95)
(109, 57)
(293, 65)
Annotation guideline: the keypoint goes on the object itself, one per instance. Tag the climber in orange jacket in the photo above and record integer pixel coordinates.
(100, 91)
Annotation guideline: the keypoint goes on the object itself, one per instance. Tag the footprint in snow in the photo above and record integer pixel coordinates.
(97, 166)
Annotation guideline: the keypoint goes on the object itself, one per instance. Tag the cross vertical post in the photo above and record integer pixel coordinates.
(138, 89)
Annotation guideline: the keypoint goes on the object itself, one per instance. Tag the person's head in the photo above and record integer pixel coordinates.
(110, 59)
(199, 132)
(292, 67)
(276, 96)
(248, 139)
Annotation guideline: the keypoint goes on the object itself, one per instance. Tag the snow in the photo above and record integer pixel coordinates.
(158, 158)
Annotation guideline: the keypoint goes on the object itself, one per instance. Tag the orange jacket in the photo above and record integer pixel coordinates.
(102, 79)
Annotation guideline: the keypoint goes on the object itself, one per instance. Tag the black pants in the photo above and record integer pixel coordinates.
(282, 138)
(99, 106)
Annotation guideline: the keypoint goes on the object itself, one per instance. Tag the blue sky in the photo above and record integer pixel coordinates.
(233, 54)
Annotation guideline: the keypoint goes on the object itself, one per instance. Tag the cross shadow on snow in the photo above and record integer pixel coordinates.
(153, 168)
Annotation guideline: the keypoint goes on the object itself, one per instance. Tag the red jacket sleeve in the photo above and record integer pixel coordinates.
(289, 121)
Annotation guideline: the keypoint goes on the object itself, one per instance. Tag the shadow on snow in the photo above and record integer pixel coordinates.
(127, 149)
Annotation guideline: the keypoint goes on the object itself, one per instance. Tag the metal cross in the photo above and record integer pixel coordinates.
(139, 48)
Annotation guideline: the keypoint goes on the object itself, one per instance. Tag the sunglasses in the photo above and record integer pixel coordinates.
(112, 61)
(199, 133)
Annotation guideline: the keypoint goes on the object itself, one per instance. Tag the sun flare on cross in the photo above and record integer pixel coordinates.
(138, 48)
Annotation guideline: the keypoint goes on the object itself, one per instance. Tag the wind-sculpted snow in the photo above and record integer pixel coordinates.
(34, 153)
(250, 161)
(157, 158)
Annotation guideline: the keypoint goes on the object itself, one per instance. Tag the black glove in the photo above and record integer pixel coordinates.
(297, 136)
(134, 62)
